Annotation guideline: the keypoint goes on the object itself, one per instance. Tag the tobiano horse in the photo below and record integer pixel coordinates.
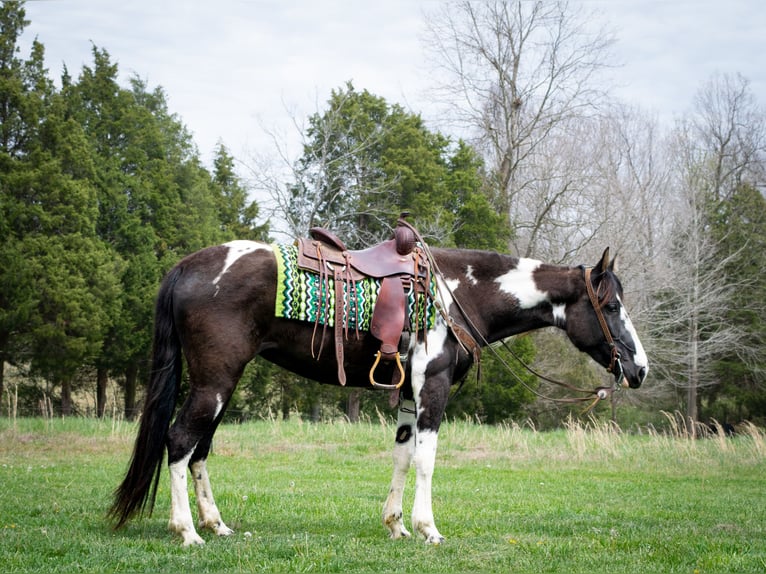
(216, 307)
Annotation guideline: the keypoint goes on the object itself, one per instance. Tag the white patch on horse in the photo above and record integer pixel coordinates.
(420, 357)
(469, 275)
(218, 405)
(639, 358)
(237, 249)
(520, 283)
(560, 315)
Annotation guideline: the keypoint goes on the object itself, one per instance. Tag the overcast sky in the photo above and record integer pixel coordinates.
(232, 67)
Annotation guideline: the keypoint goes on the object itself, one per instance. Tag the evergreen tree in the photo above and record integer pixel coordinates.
(237, 215)
(739, 225)
(60, 309)
(366, 161)
(156, 203)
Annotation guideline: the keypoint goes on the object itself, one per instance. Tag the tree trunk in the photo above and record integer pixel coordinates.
(2, 377)
(285, 403)
(353, 405)
(101, 381)
(131, 376)
(692, 414)
(66, 397)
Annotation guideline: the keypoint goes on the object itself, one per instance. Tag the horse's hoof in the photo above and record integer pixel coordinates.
(398, 534)
(193, 540)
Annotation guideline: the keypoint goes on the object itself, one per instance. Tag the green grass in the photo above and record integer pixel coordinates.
(307, 498)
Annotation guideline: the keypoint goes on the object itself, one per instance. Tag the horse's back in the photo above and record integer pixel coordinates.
(226, 287)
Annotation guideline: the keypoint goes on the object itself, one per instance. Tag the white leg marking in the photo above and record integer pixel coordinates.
(180, 512)
(209, 515)
(422, 510)
(424, 456)
(404, 448)
(236, 250)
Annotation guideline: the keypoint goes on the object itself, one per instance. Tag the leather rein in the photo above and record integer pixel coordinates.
(615, 366)
(469, 344)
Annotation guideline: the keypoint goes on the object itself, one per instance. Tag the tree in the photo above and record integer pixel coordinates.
(365, 161)
(520, 76)
(716, 149)
(739, 228)
(62, 307)
(237, 215)
(156, 203)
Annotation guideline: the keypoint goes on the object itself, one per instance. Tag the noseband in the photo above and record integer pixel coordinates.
(615, 364)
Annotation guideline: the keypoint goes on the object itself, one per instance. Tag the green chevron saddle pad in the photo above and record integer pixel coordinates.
(303, 296)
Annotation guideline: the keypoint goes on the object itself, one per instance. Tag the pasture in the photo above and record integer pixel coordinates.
(308, 497)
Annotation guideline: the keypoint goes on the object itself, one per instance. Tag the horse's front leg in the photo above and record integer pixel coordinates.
(431, 379)
(404, 449)
(429, 417)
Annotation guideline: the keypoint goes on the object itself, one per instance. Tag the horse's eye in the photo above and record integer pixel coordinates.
(612, 307)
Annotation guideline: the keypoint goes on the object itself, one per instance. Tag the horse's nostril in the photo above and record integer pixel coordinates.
(642, 374)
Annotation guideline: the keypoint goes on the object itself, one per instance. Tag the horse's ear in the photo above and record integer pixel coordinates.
(602, 265)
(613, 263)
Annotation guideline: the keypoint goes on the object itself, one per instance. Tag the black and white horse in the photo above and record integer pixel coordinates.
(217, 307)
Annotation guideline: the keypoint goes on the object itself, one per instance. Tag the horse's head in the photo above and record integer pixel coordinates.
(598, 324)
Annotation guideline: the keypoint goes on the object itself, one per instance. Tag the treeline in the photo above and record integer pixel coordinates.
(103, 190)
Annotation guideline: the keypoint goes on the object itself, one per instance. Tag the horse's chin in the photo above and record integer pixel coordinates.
(634, 381)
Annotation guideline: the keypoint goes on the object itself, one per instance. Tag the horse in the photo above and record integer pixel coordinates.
(216, 308)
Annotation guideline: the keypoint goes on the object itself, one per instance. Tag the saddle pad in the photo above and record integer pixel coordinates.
(301, 295)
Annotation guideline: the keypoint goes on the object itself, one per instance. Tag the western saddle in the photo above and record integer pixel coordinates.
(399, 263)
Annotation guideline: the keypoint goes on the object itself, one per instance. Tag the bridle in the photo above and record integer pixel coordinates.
(593, 395)
(615, 364)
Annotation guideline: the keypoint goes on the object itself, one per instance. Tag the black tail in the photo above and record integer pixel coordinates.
(140, 483)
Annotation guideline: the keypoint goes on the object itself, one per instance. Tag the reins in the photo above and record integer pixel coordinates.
(467, 341)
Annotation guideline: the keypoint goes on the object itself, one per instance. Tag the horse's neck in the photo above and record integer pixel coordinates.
(503, 297)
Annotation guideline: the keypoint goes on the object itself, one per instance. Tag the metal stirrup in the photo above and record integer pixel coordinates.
(377, 385)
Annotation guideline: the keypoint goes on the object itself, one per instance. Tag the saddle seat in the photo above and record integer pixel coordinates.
(398, 263)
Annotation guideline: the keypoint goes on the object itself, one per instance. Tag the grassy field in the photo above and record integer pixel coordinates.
(307, 498)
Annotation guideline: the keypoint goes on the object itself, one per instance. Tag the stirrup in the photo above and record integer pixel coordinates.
(380, 385)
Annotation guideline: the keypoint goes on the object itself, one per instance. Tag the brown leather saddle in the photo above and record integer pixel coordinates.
(398, 263)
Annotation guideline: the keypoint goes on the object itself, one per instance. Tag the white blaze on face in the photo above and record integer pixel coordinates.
(237, 249)
(520, 283)
(639, 359)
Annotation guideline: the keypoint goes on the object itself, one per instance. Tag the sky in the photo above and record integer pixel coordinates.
(236, 71)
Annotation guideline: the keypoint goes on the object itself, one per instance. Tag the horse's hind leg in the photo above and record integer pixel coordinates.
(189, 440)
(209, 515)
